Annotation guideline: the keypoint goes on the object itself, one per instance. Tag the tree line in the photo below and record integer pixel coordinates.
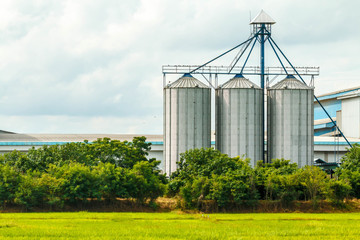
(73, 174)
(207, 174)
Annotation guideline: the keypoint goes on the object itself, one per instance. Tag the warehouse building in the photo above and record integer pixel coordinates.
(343, 106)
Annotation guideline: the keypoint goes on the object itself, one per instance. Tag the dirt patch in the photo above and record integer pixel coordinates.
(206, 206)
(264, 206)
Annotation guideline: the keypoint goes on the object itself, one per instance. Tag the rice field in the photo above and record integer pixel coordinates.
(177, 225)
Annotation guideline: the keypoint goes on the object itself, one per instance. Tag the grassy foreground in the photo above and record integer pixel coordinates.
(178, 225)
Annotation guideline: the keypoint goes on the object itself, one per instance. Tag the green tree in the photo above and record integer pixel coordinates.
(123, 154)
(349, 170)
(209, 174)
(146, 182)
(351, 159)
(30, 192)
(233, 186)
(52, 189)
(9, 181)
(275, 180)
(338, 190)
(314, 180)
(20, 161)
(78, 184)
(113, 181)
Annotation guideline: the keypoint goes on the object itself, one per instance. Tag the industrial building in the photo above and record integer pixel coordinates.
(261, 122)
(329, 146)
(343, 107)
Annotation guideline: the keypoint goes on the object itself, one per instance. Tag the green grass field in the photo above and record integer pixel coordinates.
(174, 225)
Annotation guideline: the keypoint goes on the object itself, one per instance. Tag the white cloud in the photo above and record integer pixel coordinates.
(96, 65)
(148, 124)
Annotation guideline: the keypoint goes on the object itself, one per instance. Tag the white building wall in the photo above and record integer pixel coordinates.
(351, 117)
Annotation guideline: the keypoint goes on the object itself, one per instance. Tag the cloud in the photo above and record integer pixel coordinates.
(148, 124)
(88, 62)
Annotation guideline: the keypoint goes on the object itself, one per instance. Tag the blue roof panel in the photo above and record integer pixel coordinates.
(335, 95)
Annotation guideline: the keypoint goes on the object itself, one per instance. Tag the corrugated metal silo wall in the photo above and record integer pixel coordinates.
(290, 126)
(239, 122)
(187, 122)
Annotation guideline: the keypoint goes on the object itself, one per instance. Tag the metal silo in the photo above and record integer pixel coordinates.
(239, 116)
(290, 125)
(187, 118)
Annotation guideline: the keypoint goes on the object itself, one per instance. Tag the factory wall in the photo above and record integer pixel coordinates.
(350, 115)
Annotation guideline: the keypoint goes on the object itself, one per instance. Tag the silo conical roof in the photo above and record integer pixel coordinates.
(290, 82)
(262, 17)
(187, 81)
(239, 82)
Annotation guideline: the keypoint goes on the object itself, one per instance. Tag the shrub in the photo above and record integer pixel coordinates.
(53, 192)
(113, 181)
(314, 180)
(78, 184)
(351, 159)
(9, 181)
(146, 182)
(209, 174)
(30, 192)
(338, 190)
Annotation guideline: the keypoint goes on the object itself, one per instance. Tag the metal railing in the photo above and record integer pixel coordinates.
(248, 70)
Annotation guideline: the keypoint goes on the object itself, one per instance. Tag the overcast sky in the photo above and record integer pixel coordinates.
(90, 66)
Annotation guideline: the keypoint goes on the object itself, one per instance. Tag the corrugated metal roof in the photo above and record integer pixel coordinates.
(155, 139)
(290, 82)
(3, 131)
(337, 93)
(323, 121)
(262, 17)
(72, 137)
(350, 94)
(239, 82)
(187, 81)
(51, 139)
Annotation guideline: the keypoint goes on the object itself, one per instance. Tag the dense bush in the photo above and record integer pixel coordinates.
(207, 174)
(314, 180)
(74, 173)
(30, 191)
(113, 182)
(349, 170)
(277, 180)
(338, 190)
(145, 183)
(9, 181)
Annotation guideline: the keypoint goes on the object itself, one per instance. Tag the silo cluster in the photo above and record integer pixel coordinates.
(239, 120)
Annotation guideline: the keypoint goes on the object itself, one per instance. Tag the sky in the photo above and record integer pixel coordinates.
(90, 66)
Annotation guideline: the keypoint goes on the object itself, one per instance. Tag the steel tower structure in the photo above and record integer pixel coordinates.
(262, 30)
(261, 33)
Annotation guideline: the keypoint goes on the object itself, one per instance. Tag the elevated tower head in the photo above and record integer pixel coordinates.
(262, 20)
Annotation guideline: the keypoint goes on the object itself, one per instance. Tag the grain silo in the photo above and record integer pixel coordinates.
(239, 111)
(187, 118)
(290, 121)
